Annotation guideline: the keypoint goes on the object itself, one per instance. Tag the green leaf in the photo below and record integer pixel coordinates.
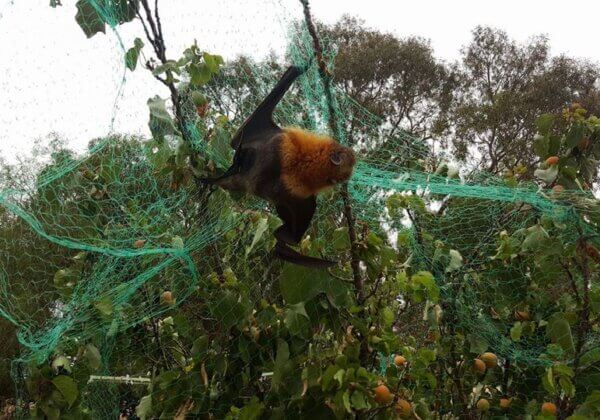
(93, 357)
(547, 175)
(61, 362)
(160, 122)
(296, 319)
(300, 284)
(548, 382)
(131, 57)
(544, 123)
(67, 387)
(88, 18)
(535, 239)
(387, 316)
(591, 357)
(144, 408)
(477, 344)
(341, 241)
(574, 136)
(229, 309)
(359, 400)
(198, 98)
(559, 331)
(261, 228)
(252, 411)
(105, 306)
(282, 365)
(516, 331)
(554, 145)
(456, 260)
(540, 145)
(200, 74)
(177, 242)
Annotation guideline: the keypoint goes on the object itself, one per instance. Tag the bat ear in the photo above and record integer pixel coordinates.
(335, 158)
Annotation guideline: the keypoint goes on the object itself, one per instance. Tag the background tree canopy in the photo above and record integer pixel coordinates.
(467, 240)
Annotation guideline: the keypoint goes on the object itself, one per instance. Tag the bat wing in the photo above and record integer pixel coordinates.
(296, 215)
(284, 252)
(261, 121)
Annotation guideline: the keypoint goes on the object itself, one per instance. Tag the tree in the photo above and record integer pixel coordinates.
(504, 87)
(398, 80)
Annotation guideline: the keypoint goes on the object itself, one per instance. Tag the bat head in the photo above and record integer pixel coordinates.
(341, 163)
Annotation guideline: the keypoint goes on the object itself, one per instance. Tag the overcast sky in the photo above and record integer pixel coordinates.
(53, 79)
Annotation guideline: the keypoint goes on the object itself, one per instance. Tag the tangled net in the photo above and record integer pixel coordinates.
(92, 241)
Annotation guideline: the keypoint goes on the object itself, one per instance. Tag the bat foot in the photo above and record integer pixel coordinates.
(285, 253)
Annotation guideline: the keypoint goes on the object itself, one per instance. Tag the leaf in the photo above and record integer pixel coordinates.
(341, 240)
(177, 242)
(131, 57)
(252, 411)
(547, 175)
(540, 145)
(67, 387)
(104, 306)
(516, 331)
(544, 123)
(300, 284)
(200, 74)
(61, 362)
(477, 344)
(296, 319)
(591, 357)
(229, 309)
(456, 261)
(281, 363)
(258, 233)
(93, 357)
(535, 239)
(160, 122)
(548, 381)
(144, 408)
(88, 18)
(559, 331)
(359, 401)
(554, 145)
(574, 136)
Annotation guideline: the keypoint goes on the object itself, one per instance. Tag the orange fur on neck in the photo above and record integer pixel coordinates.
(305, 164)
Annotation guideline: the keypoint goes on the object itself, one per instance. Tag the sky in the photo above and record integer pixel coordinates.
(54, 79)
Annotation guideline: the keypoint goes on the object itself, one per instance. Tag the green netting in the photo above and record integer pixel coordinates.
(105, 235)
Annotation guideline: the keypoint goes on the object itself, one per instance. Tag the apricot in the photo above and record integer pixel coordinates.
(549, 409)
(489, 359)
(383, 394)
(479, 366)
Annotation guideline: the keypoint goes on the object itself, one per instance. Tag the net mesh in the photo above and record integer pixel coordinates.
(90, 244)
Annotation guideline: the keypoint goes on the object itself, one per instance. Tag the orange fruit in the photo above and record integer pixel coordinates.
(167, 297)
(549, 409)
(483, 405)
(489, 359)
(403, 408)
(505, 403)
(400, 361)
(383, 394)
(552, 160)
(479, 366)
(139, 243)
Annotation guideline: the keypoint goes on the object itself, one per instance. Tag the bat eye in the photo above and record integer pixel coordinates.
(335, 158)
